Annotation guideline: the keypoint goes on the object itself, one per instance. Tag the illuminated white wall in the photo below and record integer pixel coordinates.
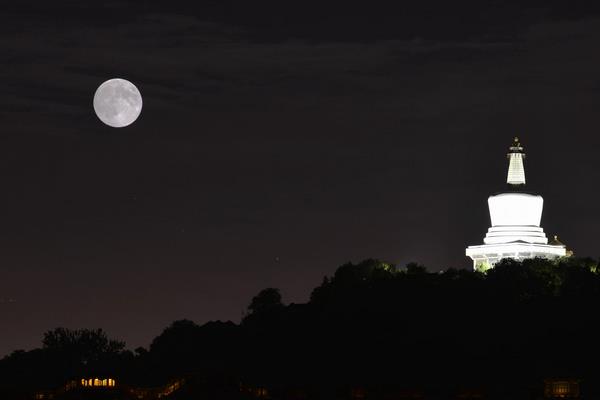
(489, 254)
(516, 209)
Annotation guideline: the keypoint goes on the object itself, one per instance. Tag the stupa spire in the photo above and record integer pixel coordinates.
(516, 171)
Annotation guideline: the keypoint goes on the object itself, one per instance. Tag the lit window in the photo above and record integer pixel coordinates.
(561, 388)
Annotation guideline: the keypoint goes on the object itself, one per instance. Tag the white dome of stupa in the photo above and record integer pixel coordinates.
(515, 217)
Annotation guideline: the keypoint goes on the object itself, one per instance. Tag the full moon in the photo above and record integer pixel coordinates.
(117, 102)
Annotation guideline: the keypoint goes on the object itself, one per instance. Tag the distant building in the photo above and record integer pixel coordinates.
(101, 387)
(561, 389)
(97, 382)
(85, 384)
(515, 216)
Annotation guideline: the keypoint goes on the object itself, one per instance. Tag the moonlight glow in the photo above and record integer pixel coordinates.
(117, 102)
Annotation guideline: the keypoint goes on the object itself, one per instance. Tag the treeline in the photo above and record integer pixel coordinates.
(370, 325)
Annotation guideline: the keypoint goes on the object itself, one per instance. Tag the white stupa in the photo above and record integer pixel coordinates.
(515, 216)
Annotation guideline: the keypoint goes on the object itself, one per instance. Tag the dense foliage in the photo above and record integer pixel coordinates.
(370, 324)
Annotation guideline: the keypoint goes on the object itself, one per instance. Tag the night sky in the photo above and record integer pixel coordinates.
(277, 141)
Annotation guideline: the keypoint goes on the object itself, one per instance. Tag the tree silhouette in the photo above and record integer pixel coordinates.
(265, 301)
(81, 345)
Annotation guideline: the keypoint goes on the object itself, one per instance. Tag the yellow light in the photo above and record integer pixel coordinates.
(97, 382)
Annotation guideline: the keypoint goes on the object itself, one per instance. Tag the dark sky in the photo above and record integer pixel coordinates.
(277, 141)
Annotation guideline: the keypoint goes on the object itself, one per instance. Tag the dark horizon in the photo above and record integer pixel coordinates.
(521, 330)
(275, 144)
